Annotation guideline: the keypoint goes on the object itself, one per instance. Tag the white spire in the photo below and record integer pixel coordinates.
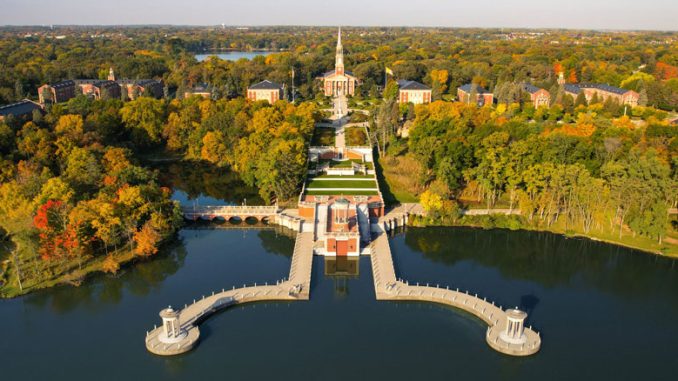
(339, 59)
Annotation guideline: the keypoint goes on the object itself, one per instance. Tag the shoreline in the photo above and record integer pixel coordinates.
(128, 257)
(556, 232)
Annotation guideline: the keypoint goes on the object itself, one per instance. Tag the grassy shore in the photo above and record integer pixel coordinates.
(72, 274)
(628, 240)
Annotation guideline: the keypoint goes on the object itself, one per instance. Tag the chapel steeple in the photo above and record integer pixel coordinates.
(339, 60)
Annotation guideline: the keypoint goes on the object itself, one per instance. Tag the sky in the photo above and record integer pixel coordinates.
(571, 14)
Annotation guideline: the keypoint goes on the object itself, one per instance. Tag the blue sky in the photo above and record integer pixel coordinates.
(577, 14)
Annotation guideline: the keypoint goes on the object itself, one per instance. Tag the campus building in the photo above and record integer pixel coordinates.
(339, 81)
(98, 89)
(482, 96)
(623, 96)
(57, 93)
(265, 91)
(413, 92)
(23, 109)
(539, 97)
(202, 90)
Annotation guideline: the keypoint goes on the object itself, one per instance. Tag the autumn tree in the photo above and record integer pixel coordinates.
(146, 239)
(144, 118)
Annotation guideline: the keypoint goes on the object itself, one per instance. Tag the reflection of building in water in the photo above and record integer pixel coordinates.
(341, 269)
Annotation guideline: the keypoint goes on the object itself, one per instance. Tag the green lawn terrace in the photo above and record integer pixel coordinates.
(356, 137)
(333, 185)
(323, 137)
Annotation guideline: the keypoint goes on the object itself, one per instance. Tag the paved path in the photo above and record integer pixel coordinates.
(388, 287)
(340, 137)
(296, 287)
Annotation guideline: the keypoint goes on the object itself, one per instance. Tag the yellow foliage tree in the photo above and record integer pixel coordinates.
(431, 202)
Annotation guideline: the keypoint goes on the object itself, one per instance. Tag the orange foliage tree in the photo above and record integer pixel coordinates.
(58, 238)
(147, 239)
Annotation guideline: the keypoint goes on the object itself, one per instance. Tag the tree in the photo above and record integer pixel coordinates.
(213, 148)
(110, 265)
(580, 100)
(82, 169)
(143, 117)
(146, 239)
(391, 90)
(55, 189)
(572, 78)
(642, 97)
(439, 79)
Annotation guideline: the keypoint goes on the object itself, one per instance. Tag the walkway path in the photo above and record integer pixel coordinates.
(296, 287)
(388, 287)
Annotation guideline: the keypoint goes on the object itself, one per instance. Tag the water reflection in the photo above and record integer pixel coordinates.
(341, 270)
(139, 278)
(550, 260)
(205, 184)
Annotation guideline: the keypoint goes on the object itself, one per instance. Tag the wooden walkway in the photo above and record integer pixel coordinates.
(296, 287)
(388, 287)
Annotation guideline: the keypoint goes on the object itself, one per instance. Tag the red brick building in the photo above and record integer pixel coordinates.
(265, 91)
(413, 92)
(482, 96)
(623, 96)
(539, 97)
(98, 89)
(57, 93)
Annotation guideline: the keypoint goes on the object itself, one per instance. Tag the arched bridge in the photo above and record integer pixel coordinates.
(227, 212)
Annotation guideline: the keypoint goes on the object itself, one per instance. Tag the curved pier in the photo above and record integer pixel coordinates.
(180, 332)
(523, 342)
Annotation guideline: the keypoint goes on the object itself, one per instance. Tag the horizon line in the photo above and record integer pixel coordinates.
(337, 25)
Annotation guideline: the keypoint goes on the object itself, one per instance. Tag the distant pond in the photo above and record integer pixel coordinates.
(231, 55)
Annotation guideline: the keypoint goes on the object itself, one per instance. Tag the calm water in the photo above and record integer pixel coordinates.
(231, 56)
(605, 313)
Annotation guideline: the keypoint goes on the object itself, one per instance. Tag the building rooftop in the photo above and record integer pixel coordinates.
(412, 85)
(570, 88)
(467, 88)
(23, 107)
(331, 72)
(95, 82)
(62, 84)
(530, 88)
(266, 85)
(576, 88)
(201, 88)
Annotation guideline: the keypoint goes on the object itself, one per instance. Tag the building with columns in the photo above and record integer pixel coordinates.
(339, 81)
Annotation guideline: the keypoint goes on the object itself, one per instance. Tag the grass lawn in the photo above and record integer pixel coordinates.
(398, 178)
(345, 193)
(342, 184)
(356, 136)
(323, 136)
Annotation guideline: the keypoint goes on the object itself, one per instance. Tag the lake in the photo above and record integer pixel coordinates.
(604, 312)
(232, 55)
